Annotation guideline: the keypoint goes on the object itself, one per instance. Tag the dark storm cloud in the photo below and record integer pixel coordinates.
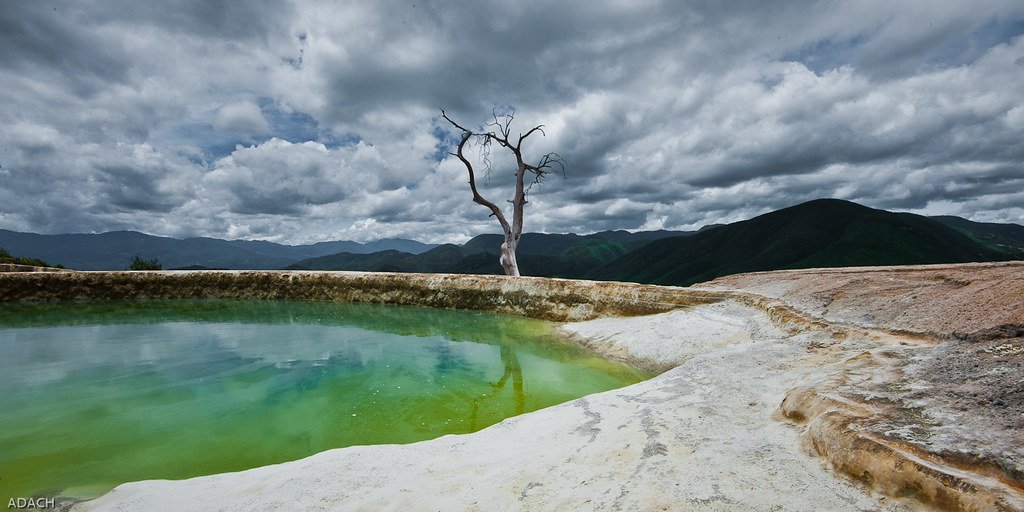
(72, 32)
(471, 58)
(38, 38)
(309, 121)
(129, 188)
(217, 19)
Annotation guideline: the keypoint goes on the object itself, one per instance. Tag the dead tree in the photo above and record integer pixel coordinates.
(500, 131)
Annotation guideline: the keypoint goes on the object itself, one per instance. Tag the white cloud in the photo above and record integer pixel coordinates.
(280, 177)
(242, 118)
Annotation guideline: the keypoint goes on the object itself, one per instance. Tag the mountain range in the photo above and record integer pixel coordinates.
(114, 250)
(819, 233)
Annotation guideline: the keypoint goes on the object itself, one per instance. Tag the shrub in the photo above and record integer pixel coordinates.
(5, 257)
(35, 262)
(140, 264)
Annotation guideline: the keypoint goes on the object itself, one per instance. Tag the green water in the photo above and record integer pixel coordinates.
(96, 394)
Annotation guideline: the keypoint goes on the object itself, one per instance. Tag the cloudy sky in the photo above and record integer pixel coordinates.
(300, 122)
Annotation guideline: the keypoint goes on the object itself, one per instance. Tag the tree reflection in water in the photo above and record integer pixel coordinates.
(510, 361)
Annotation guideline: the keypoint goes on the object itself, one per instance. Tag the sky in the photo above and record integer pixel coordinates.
(299, 122)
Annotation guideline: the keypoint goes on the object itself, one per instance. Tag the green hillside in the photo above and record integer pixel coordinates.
(587, 255)
(577, 259)
(820, 233)
(5, 257)
(541, 244)
(594, 250)
(557, 245)
(376, 261)
(1006, 238)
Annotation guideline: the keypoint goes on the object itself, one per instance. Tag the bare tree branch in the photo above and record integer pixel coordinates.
(457, 125)
(477, 198)
(522, 137)
(500, 132)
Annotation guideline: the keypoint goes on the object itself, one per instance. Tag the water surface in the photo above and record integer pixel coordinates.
(99, 393)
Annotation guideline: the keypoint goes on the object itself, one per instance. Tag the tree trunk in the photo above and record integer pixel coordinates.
(514, 229)
(508, 256)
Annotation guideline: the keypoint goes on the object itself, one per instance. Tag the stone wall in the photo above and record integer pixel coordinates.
(544, 298)
(11, 267)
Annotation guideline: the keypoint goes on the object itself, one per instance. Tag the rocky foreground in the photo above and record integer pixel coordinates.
(937, 411)
(845, 389)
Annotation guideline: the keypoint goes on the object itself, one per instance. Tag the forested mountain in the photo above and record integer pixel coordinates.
(114, 250)
(820, 233)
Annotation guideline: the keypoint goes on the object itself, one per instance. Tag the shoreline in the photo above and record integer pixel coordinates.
(632, 448)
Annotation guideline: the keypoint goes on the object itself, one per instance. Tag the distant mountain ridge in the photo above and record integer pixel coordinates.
(819, 233)
(114, 250)
(539, 254)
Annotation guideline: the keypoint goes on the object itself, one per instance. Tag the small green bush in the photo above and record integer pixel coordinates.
(35, 262)
(140, 264)
(5, 257)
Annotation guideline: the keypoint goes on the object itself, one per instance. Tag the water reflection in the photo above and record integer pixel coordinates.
(513, 370)
(95, 394)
